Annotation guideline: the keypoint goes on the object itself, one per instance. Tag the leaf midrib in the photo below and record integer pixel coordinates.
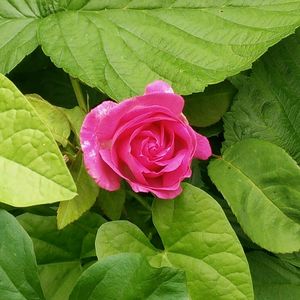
(230, 283)
(35, 172)
(258, 188)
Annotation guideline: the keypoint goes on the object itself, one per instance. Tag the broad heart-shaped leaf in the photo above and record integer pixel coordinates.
(268, 102)
(128, 276)
(32, 168)
(260, 182)
(197, 238)
(54, 118)
(119, 46)
(69, 211)
(18, 268)
(207, 108)
(272, 278)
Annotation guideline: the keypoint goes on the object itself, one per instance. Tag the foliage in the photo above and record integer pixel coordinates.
(233, 233)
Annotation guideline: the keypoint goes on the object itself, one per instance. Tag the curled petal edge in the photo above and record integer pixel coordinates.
(203, 149)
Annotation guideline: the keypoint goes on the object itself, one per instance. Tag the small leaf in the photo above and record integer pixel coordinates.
(29, 155)
(129, 276)
(70, 211)
(122, 236)
(197, 238)
(268, 102)
(18, 268)
(272, 278)
(75, 116)
(207, 108)
(53, 118)
(260, 182)
(112, 203)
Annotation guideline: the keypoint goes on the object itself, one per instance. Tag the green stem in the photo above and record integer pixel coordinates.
(78, 93)
(140, 199)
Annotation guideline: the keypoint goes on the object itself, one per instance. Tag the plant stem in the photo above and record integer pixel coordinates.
(140, 199)
(78, 93)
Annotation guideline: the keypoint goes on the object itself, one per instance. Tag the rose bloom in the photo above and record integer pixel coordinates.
(145, 140)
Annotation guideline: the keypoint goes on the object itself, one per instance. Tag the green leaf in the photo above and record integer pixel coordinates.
(61, 253)
(122, 236)
(112, 203)
(197, 238)
(189, 46)
(129, 276)
(207, 108)
(272, 278)
(120, 46)
(29, 155)
(58, 279)
(212, 130)
(69, 211)
(18, 268)
(55, 120)
(268, 102)
(75, 116)
(18, 27)
(260, 181)
(51, 245)
(291, 258)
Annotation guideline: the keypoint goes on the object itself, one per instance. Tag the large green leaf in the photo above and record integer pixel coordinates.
(32, 168)
(272, 278)
(119, 46)
(197, 238)
(18, 269)
(128, 276)
(260, 181)
(268, 102)
(70, 211)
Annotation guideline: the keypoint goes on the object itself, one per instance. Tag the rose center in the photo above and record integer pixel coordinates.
(153, 148)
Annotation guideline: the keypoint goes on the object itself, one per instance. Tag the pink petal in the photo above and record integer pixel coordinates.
(165, 194)
(98, 169)
(158, 86)
(203, 149)
(160, 193)
(171, 104)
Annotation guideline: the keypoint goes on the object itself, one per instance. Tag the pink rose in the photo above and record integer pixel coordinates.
(145, 140)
